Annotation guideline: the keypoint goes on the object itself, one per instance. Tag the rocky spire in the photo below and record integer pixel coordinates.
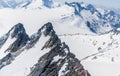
(59, 61)
(18, 32)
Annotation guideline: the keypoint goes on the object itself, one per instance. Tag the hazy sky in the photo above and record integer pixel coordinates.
(105, 3)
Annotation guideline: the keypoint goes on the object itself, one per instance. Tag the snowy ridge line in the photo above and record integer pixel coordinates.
(94, 19)
(51, 63)
(101, 51)
(20, 42)
(14, 4)
(76, 34)
(89, 56)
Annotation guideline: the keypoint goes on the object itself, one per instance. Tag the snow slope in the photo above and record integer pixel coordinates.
(14, 3)
(31, 18)
(98, 53)
(5, 46)
(33, 4)
(99, 21)
(22, 64)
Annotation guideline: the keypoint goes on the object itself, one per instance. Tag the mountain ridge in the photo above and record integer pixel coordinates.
(99, 22)
(58, 50)
(25, 3)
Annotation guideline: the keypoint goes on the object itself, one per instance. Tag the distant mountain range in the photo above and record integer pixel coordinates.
(57, 61)
(98, 20)
(24, 3)
(44, 53)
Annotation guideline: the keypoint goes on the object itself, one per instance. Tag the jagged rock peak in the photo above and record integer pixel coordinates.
(18, 32)
(81, 6)
(14, 40)
(59, 61)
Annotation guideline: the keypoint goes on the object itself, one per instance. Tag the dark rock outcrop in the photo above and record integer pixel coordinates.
(59, 61)
(21, 38)
(19, 33)
(3, 40)
(98, 22)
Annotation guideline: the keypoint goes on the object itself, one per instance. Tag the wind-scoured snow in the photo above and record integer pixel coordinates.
(99, 54)
(5, 46)
(22, 64)
(14, 3)
(62, 69)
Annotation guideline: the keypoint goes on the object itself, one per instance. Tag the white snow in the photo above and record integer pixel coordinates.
(102, 11)
(5, 47)
(56, 58)
(62, 69)
(32, 19)
(36, 4)
(104, 62)
(22, 64)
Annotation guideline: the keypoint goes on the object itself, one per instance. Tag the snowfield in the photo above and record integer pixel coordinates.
(31, 18)
(99, 54)
(22, 64)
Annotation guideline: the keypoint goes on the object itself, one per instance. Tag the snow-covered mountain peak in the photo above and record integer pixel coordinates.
(99, 21)
(55, 58)
(14, 3)
(16, 30)
(81, 6)
(15, 39)
(32, 48)
(25, 3)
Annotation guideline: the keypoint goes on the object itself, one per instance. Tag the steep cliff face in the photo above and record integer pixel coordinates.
(11, 42)
(59, 61)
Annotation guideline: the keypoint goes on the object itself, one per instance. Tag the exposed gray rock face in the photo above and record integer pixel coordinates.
(3, 39)
(102, 23)
(21, 38)
(22, 42)
(19, 33)
(59, 61)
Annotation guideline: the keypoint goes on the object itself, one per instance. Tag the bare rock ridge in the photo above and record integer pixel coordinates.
(18, 34)
(59, 61)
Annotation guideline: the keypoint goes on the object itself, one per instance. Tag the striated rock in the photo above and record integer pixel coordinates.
(59, 61)
(19, 33)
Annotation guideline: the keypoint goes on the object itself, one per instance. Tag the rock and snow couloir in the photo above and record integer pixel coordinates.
(43, 54)
(98, 53)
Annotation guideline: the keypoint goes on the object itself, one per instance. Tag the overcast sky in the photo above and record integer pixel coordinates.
(105, 3)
